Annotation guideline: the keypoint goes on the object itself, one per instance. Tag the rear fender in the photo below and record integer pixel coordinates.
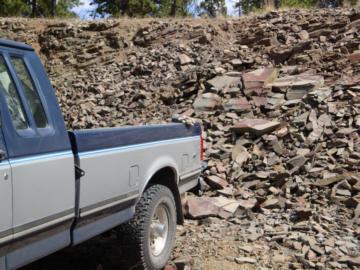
(155, 175)
(158, 164)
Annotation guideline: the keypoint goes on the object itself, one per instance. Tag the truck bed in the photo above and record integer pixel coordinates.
(105, 138)
(119, 162)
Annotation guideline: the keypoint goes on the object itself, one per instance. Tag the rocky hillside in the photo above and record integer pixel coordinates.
(278, 95)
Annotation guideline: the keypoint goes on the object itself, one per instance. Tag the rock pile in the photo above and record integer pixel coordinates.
(278, 97)
(296, 176)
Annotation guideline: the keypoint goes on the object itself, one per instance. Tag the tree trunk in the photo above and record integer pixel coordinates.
(2, 8)
(34, 8)
(53, 8)
(173, 9)
(277, 4)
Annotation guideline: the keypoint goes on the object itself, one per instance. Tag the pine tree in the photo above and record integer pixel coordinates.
(247, 6)
(108, 7)
(38, 8)
(141, 8)
(50, 8)
(10, 8)
(213, 8)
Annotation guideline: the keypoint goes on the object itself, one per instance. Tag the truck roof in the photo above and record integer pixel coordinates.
(14, 44)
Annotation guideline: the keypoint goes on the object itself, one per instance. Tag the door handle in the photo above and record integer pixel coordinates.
(2, 154)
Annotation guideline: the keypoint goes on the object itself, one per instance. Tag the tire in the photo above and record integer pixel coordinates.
(148, 238)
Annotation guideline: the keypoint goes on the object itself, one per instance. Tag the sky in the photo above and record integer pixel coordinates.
(85, 9)
(230, 7)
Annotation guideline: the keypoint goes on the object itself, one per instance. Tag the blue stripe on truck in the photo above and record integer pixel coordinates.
(100, 151)
(136, 146)
(104, 138)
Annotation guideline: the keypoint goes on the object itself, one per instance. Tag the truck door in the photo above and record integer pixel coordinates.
(42, 164)
(5, 206)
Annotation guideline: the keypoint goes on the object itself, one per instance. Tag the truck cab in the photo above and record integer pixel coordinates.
(59, 188)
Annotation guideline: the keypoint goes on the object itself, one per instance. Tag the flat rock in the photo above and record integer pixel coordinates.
(355, 57)
(255, 81)
(297, 162)
(207, 102)
(240, 154)
(238, 105)
(353, 261)
(200, 207)
(229, 205)
(247, 204)
(216, 182)
(270, 203)
(223, 82)
(185, 59)
(256, 127)
(241, 260)
(296, 87)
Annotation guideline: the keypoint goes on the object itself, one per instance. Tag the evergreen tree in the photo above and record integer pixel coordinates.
(38, 8)
(172, 8)
(213, 8)
(141, 8)
(114, 8)
(50, 8)
(247, 6)
(299, 3)
(14, 8)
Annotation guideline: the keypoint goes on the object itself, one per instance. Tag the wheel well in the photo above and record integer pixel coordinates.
(167, 177)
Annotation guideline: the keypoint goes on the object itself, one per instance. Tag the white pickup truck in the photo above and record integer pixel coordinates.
(59, 188)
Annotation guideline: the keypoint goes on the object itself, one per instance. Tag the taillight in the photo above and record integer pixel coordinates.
(201, 147)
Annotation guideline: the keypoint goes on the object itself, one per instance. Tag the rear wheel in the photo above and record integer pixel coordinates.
(148, 238)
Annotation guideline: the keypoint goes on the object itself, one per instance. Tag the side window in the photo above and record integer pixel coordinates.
(30, 92)
(8, 89)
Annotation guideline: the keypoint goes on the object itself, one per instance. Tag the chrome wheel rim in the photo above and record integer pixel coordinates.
(159, 229)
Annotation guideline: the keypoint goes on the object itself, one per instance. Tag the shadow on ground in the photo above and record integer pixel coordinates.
(101, 253)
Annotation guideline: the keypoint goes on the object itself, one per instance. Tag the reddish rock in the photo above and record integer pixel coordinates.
(223, 82)
(256, 81)
(248, 204)
(207, 102)
(216, 182)
(200, 207)
(259, 101)
(354, 57)
(238, 105)
(270, 203)
(353, 261)
(256, 127)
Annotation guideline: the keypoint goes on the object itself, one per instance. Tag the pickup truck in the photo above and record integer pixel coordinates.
(59, 188)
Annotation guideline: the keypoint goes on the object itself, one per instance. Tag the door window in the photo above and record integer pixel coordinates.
(14, 104)
(30, 92)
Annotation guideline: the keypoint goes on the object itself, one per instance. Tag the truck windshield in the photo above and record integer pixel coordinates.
(7, 88)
